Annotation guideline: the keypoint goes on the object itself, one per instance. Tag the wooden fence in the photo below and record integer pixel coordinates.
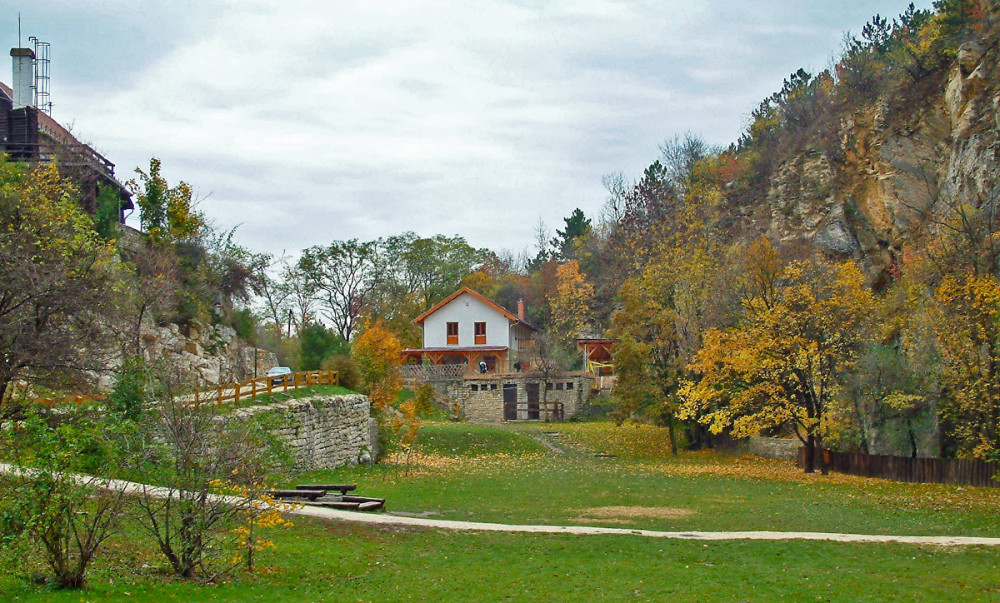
(965, 472)
(232, 391)
(533, 411)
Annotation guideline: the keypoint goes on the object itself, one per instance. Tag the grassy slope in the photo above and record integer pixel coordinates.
(496, 475)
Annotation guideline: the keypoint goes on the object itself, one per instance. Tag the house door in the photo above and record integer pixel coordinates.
(532, 390)
(510, 401)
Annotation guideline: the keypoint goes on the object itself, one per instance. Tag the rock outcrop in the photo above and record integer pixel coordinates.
(895, 173)
(209, 354)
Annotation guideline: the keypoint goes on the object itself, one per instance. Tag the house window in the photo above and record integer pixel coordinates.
(548, 386)
(452, 333)
(475, 388)
(569, 385)
(480, 333)
(559, 386)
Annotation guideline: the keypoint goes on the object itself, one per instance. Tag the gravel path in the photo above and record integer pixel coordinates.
(471, 526)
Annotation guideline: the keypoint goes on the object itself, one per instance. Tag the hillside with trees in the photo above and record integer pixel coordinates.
(832, 274)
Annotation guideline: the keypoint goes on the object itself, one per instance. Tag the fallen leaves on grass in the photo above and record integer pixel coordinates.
(633, 511)
(431, 464)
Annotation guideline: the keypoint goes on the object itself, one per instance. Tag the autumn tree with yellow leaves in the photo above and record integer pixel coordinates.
(782, 364)
(967, 325)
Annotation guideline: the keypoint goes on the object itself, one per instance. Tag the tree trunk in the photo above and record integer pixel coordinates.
(913, 439)
(811, 454)
(671, 424)
(824, 467)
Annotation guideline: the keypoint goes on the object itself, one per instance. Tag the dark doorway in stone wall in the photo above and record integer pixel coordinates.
(532, 391)
(510, 401)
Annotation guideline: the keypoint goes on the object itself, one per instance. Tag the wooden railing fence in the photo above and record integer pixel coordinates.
(231, 391)
(965, 472)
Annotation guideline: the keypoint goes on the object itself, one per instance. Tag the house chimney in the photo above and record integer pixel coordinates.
(23, 81)
(520, 310)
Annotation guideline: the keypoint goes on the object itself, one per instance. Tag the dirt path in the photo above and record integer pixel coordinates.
(389, 519)
(471, 526)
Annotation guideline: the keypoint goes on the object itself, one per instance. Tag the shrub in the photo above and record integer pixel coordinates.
(63, 516)
(130, 389)
(347, 370)
(317, 343)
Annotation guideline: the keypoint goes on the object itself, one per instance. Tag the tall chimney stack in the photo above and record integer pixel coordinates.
(520, 310)
(23, 81)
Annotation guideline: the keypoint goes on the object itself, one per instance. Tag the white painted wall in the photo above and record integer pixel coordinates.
(466, 310)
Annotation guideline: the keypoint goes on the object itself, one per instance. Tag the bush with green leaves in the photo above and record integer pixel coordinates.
(317, 344)
(131, 387)
(55, 505)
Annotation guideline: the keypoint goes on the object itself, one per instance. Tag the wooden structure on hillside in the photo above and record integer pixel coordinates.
(28, 134)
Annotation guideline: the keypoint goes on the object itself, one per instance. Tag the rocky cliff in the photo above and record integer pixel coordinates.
(894, 169)
(207, 354)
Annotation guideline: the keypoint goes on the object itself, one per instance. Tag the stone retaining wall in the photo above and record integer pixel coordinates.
(774, 448)
(322, 432)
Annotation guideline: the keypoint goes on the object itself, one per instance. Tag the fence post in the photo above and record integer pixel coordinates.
(220, 395)
(236, 395)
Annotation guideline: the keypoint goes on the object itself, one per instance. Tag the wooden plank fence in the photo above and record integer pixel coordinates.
(233, 392)
(964, 472)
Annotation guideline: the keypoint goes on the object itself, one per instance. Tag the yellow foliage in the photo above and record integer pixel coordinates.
(781, 365)
(968, 334)
(571, 307)
(378, 355)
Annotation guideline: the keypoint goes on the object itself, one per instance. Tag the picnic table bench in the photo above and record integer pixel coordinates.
(310, 493)
(342, 488)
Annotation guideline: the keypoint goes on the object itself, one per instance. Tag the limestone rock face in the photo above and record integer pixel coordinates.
(209, 354)
(896, 172)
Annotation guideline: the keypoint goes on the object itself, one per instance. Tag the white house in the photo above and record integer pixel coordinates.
(466, 328)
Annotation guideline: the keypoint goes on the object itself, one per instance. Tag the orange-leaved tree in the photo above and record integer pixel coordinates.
(571, 307)
(377, 353)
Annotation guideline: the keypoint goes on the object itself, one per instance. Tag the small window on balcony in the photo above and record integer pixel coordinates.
(480, 333)
(452, 333)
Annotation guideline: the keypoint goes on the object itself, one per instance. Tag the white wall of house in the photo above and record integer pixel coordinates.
(466, 310)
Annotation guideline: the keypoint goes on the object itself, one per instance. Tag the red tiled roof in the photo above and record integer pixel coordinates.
(420, 319)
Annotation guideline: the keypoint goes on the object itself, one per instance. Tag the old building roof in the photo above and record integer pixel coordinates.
(420, 319)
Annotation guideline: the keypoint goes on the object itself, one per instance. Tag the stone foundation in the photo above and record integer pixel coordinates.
(481, 397)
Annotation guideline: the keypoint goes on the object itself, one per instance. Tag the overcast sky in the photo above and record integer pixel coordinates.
(306, 122)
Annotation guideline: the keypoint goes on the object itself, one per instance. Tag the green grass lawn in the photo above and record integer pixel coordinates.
(470, 472)
(486, 474)
(316, 561)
